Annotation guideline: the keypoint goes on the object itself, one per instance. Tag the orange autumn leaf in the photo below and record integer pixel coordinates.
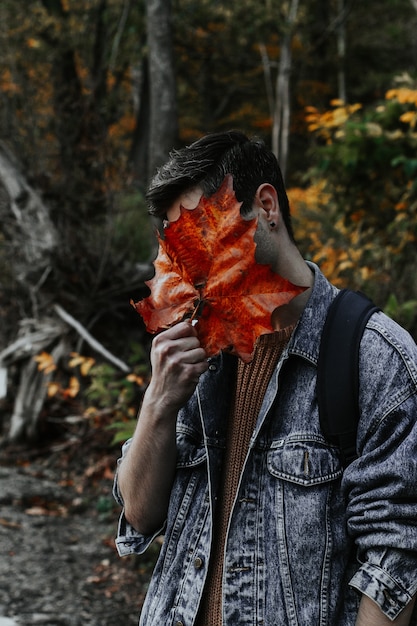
(85, 363)
(134, 378)
(46, 363)
(206, 268)
(53, 389)
(73, 388)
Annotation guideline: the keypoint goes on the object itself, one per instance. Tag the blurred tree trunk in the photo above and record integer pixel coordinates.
(81, 117)
(139, 151)
(163, 134)
(30, 236)
(282, 110)
(341, 51)
(30, 240)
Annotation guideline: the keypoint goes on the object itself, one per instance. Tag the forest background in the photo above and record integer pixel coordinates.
(95, 93)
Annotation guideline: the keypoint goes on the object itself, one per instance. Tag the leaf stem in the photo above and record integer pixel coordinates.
(194, 315)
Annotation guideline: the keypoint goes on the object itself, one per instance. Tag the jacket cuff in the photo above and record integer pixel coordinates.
(379, 586)
(116, 491)
(129, 541)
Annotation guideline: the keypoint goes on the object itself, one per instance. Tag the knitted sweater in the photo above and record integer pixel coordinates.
(251, 383)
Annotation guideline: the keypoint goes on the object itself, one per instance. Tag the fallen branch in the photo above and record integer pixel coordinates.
(96, 345)
(31, 342)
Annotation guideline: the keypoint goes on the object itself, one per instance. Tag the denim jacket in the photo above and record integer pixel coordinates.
(304, 536)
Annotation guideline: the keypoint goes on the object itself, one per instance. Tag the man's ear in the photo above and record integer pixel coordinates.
(266, 198)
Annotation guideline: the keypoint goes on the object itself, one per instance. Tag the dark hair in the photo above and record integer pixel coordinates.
(207, 161)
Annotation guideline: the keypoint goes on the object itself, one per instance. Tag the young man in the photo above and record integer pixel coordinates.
(262, 525)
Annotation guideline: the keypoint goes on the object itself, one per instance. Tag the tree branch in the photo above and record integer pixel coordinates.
(96, 345)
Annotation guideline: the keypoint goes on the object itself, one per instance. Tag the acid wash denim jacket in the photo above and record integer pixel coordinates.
(304, 537)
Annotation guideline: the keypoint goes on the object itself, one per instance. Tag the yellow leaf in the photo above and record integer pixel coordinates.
(345, 265)
(32, 43)
(72, 389)
(45, 362)
(85, 362)
(53, 389)
(87, 365)
(366, 273)
(76, 359)
(403, 95)
(133, 378)
(391, 94)
(409, 117)
(336, 102)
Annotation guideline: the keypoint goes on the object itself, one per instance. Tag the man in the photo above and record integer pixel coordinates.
(261, 523)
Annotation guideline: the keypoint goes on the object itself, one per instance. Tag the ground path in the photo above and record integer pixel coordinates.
(58, 563)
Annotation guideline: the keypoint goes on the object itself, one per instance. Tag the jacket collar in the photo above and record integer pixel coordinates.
(305, 341)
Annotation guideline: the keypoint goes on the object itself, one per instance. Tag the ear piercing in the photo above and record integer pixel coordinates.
(272, 225)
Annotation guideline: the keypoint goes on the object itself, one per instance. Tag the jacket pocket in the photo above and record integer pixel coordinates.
(190, 449)
(306, 536)
(304, 460)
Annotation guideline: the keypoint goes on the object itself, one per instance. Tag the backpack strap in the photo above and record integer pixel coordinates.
(338, 369)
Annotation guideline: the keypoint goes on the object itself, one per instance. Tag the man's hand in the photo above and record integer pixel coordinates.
(177, 361)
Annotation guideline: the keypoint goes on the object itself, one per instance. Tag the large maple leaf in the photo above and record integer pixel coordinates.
(206, 268)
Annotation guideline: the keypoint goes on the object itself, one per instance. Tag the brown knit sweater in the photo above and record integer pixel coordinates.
(251, 383)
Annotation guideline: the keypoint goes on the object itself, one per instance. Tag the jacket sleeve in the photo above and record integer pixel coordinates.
(129, 540)
(381, 485)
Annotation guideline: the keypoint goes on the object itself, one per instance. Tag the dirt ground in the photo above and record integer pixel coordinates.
(58, 562)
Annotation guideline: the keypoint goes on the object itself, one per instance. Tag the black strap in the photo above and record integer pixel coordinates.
(338, 369)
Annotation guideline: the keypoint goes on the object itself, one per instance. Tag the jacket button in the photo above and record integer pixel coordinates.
(179, 623)
(212, 367)
(198, 562)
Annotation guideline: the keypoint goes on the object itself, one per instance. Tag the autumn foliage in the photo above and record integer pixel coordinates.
(357, 216)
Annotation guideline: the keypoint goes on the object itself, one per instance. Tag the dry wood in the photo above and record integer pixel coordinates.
(83, 332)
(33, 384)
(33, 388)
(25, 222)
